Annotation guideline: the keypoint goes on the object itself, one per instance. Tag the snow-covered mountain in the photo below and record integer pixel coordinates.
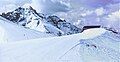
(29, 18)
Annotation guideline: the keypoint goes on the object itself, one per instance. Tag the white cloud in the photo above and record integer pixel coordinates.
(8, 5)
(49, 6)
(99, 11)
(113, 21)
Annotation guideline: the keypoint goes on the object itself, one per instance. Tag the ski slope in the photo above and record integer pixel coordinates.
(93, 45)
(11, 32)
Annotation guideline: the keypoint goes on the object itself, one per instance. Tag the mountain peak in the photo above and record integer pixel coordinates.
(29, 18)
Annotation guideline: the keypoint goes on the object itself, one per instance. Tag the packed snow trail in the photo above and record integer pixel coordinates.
(82, 47)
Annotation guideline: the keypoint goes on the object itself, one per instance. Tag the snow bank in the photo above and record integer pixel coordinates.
(91, 33)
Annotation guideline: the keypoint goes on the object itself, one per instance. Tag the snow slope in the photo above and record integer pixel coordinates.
(13, 32)
(73, 48)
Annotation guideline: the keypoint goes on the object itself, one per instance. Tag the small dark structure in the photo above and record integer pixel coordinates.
(89, 27)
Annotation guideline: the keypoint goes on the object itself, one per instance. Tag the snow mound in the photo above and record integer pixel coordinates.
(91, 33)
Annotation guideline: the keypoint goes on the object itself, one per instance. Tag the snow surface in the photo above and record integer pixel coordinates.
(12, 32)
(72, 48)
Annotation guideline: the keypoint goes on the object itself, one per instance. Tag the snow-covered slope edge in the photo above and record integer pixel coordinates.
(13, 32)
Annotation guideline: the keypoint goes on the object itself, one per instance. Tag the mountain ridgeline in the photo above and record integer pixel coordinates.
(29, 18)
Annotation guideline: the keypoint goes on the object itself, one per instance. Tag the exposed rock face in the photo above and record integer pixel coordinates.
(64, 26)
